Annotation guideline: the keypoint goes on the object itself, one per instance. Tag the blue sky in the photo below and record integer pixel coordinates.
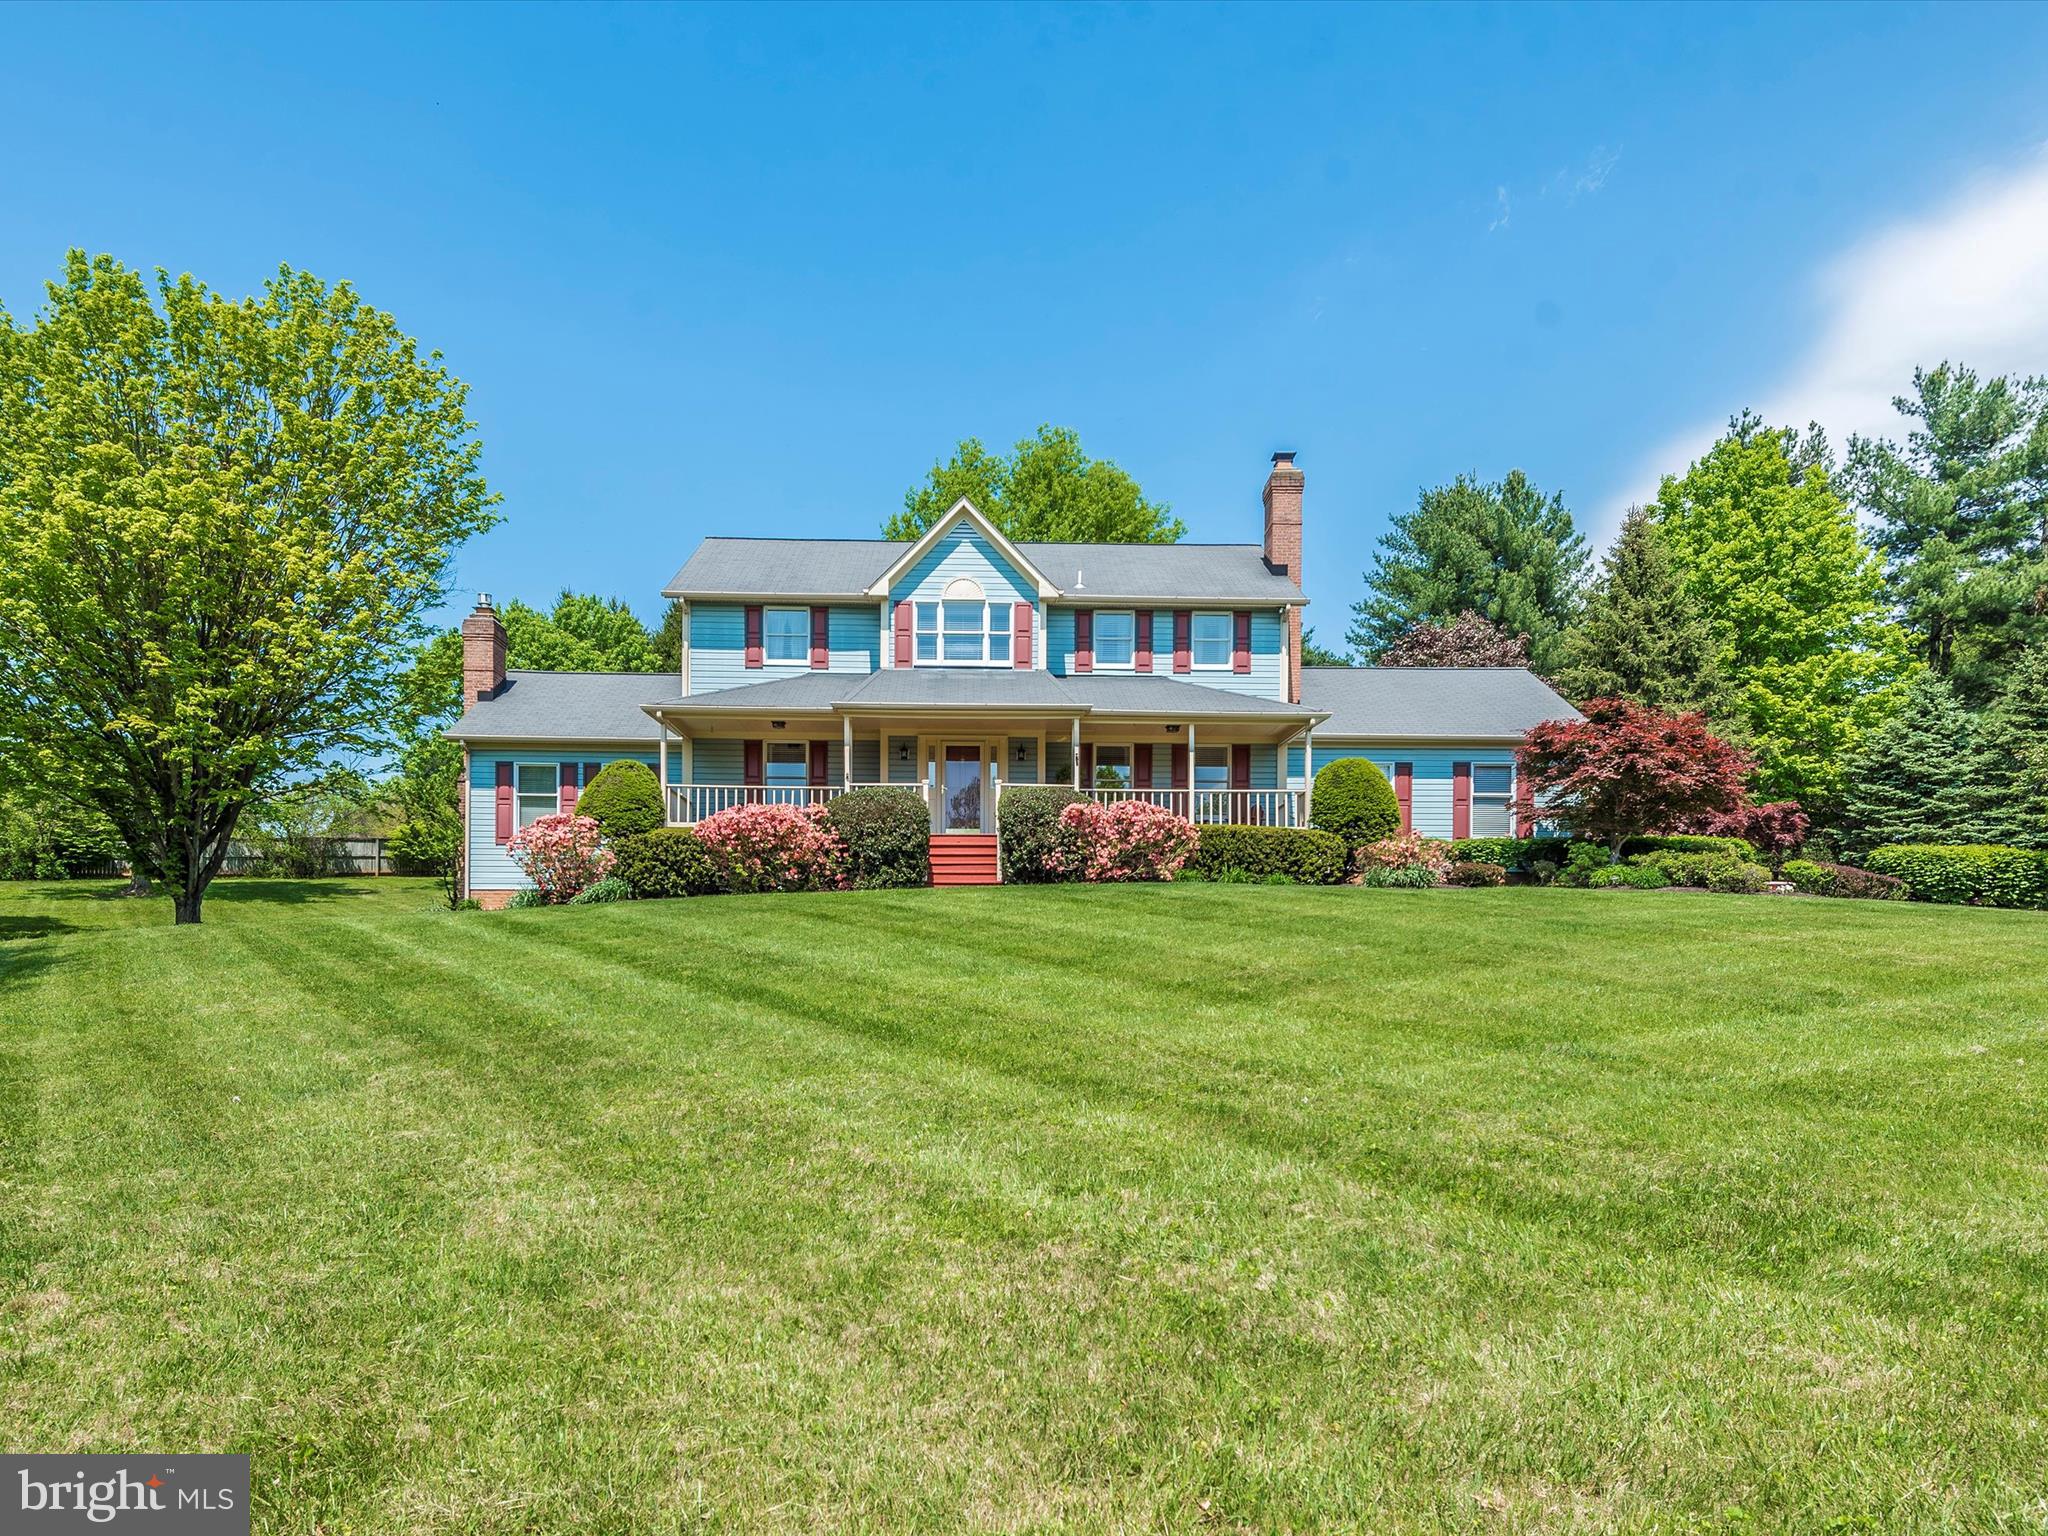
(753, 270)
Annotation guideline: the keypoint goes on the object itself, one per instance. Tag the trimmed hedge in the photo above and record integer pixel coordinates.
(1300, 854)
(1510, 852)
(1818, 879)
(1353, 800)
(1028, 821)
(1728, 847)
(1476, 872)
(669, 861)
(624, 800)
(1980, 874)
(888, 837)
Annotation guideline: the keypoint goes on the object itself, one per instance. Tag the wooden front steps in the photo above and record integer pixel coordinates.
(960, 859)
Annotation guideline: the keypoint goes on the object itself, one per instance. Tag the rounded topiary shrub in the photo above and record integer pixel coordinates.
(1033, 843)
(888, 837)
(1353, 799)
(623, 799)
(669, 861)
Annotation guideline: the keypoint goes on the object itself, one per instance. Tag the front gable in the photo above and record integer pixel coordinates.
(963, 546)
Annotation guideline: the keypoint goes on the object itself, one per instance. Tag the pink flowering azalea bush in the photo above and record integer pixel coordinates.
(561, 855)
(1130, 840)
(775, 848)
(1406, 858)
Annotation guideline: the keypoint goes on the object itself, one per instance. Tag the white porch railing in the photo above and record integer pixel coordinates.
(1231, 807)
(689, 804)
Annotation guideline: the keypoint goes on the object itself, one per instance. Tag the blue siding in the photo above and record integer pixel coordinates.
(1266, 680)
(1430, 793)
(1025, 772)
(963, 552)
(718, 645)
(490, 866)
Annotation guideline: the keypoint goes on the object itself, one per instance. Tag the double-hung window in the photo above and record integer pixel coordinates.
(537, 786)
(1211, 638)
(786, 765)
(1493, 787)
(1112, 768)
(1212, 784)
(786, 634)
(962, 630)
(1116, 637)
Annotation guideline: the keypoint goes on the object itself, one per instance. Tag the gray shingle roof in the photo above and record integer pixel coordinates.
(567, 706)
(1232, 573)
(1127, 693)
(1430, 703)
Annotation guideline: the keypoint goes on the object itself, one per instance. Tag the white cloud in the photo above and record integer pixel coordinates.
(1588, 178)
(1967, 282)
(1501, 210)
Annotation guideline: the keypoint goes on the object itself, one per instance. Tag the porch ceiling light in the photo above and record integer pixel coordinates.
(778, 725)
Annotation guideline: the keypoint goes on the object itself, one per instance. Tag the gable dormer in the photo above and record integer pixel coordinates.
(963, 595)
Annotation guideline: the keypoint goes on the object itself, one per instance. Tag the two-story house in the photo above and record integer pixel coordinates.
(962, 662)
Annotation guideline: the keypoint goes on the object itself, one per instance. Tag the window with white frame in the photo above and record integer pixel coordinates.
(1212, 783)
(962, 629)
(1212, 637)
(1116, 637)
(787, 763)
(786, 634)
(537, 786)
(1493, 786)
(1112, 768)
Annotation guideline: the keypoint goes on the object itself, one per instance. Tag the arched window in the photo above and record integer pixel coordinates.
(963, 628)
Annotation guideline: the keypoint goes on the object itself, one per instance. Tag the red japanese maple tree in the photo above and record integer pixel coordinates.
(1627, 770)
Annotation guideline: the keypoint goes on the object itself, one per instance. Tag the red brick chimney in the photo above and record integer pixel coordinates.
(1283, 551)
(483, 652)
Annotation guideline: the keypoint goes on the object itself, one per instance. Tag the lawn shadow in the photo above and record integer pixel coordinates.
(34, 927)
(233, 890)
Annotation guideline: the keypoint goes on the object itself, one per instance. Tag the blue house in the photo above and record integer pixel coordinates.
(961, 662)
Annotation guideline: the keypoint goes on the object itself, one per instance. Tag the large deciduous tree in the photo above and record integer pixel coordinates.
(1504, 551)
(1961, 515)
(221, 524)
(1046, 488)
(581, 633)
(1771, 553)
(1626, 770)
(1465, 641)
(1642, 636)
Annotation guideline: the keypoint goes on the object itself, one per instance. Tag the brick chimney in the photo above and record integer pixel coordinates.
(483, 652)
(1283, 551)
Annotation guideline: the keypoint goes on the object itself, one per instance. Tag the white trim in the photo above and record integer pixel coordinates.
(1229, 617)
(1096, 663)
(963, 510)
(555, 767)
(797, 663)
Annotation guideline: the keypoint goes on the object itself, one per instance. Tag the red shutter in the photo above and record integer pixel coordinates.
(753, 634)
(1525, 810)
(590, 771)
(505, 817)
(1461, 800)
(821, 762)
(750, 762)
(1087, 765)
(565, 790)
(1241, 653)
(1084, 639)
(1141, 765)
(903, 641)
(1020, 635)
(1183, 643)
(1178, 755)
(1404, 794)
(1143, 647)
(821, 638)
(1241, 767)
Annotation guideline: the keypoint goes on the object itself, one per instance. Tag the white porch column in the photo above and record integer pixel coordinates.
(664, 767)
(1077, 752)
(846, 753)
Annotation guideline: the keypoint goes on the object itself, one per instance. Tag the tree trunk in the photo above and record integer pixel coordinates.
(185, 904)
(138, 881)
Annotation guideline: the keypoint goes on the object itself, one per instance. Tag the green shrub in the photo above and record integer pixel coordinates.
(1817, 878)
(624, 800)
(522, 899)
(1730, 847)
(610, 888)
(1353, 800)
(1510, 852)
(1681, 868)
(1582, 863)
(669, 861)
(1984, 874)
(1298, 854)
(1028, 819)
(1476, 872)
(888, 837)
(1635, 875)
(1737, 877)
(1415, 877)
(1544, 871)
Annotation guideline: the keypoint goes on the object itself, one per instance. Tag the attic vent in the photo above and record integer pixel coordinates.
(1079, 584)
(962, 590)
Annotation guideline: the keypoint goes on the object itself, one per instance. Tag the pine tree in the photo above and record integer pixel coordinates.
(1643, 636)
(2017, 751)
(1921, 777)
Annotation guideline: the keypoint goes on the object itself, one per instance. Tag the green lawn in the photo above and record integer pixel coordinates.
(1140, 1209)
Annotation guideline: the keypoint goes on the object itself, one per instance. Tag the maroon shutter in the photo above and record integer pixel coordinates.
(505, 817)
(1084, 639)
(1178, 755)
(1087, 765)
(821, 762)
(1461, 800)
(1241, 767)
(1020, 635)
(1404, 794)
(753, 634)
(1183, 643)
(821, 638)
(565, 790)
(903, 640)
(591, 771)
(1143, 646)
(1525, 809)
(1141, 765)
(750, 762)
(1241, 653)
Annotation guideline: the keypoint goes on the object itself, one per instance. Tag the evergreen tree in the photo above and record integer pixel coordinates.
(1317, 655)
(1503, 551)
(1921, 776)
(2016, 736)
(1642, 636)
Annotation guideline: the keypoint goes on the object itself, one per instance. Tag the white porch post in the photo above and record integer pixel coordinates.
(664, 768)
(1308, 774)
(846, 752)
(1077, 752)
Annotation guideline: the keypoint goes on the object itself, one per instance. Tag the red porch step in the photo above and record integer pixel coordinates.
(959, 859)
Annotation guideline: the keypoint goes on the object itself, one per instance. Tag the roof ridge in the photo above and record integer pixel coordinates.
(578, 672)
